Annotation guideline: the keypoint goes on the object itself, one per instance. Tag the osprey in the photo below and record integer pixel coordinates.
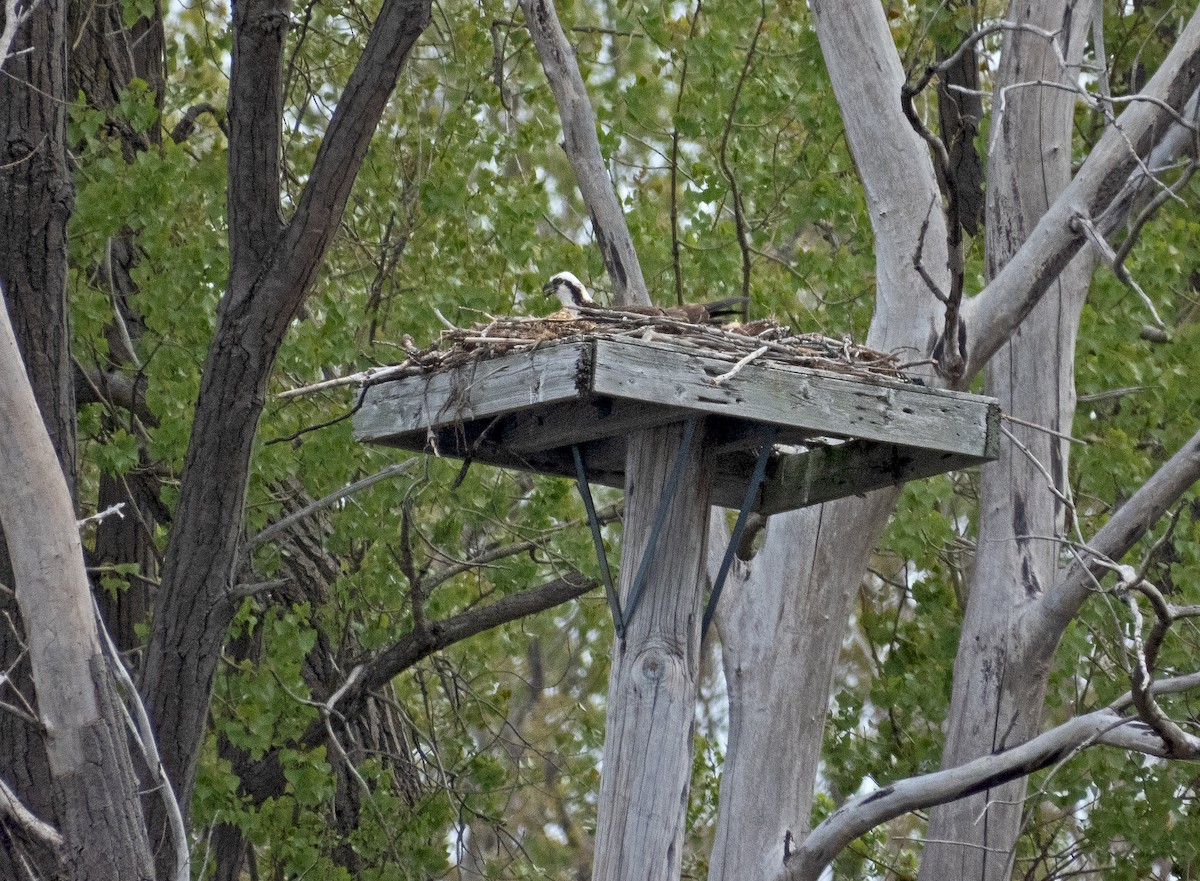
(573, 295)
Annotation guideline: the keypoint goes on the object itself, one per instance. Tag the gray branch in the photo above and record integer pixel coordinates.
(30, 823)
(1098, 191)
(583, 151)
(1102, 727)
(1113, 540)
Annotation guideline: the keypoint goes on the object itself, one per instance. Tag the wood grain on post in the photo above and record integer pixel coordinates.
(655, 667)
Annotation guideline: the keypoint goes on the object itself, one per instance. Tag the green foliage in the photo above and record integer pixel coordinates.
(464, 205)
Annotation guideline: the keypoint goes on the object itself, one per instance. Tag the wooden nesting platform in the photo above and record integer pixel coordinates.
(839, 433)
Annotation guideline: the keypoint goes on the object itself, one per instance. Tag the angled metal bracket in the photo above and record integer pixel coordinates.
(621, 618)
(585, 492)
(760, 471)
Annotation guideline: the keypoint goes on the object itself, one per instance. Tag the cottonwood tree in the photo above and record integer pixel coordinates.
(85, 818)
(1024, 591)
(295, 578)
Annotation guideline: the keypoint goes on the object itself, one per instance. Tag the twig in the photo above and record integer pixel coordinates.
(1110, 393)
(1055, 491)
(1042, 428)
(371, 375)
(1108, 256)
(103, 515)
(739, 216)
(676, 263)
(30, 823)
(1160, 198)
(762, 350)
(138, 721)
(350, 489)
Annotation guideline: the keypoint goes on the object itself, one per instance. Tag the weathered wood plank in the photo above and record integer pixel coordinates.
(577, 422)
(480, 390)
(824, 473)
(796, 397)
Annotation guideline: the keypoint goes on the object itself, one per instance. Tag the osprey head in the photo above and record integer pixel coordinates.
(570, 292)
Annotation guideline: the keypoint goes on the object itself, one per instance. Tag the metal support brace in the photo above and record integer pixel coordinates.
(621, 618)
(585, 492)
(660, 517)
(756, 479)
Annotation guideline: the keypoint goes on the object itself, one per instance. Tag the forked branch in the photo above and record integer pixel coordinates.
(1106, 726)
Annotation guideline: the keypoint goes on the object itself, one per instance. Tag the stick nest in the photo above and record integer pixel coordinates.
(765, 341)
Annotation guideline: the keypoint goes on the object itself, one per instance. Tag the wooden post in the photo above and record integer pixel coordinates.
(652, 684)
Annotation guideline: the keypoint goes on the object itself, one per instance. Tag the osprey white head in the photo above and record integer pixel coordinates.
(570, 292)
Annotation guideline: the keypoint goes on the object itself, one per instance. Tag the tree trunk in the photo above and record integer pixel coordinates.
(95, 793)
(1000, 675)
(655, 666)
(791, 605)
(272, 268)
(35, 204)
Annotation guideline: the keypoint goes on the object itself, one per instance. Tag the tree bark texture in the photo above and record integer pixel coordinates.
(36, 198)
(35, 204)
(1000, 674)
(782, 619)
(652, 686)
(95, 792)
(272, 269)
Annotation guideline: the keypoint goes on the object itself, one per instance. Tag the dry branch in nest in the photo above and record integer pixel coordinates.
(762, 341)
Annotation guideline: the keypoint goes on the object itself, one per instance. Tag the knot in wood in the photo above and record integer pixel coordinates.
(658, 666)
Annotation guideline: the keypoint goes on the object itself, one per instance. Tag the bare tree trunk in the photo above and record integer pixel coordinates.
(95, 792)
(1000, 674)
(782, 623)
(35, 204)
(655, 666)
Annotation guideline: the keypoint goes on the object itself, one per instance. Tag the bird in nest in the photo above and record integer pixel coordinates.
(573, 295)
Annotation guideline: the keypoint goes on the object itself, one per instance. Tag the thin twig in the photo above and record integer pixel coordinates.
(103, 515)
(1109, 257)
(1042, 428)
(762, 350)
(1055, 491)
(674, 160)
(350, 489)
(138, 722)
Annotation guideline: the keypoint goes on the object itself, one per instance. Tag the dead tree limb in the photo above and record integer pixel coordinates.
(582, 147)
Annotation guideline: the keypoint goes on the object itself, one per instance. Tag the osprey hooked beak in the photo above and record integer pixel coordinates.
(570, 292)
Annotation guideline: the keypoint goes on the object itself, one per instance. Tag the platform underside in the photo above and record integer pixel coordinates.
(836, 435)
